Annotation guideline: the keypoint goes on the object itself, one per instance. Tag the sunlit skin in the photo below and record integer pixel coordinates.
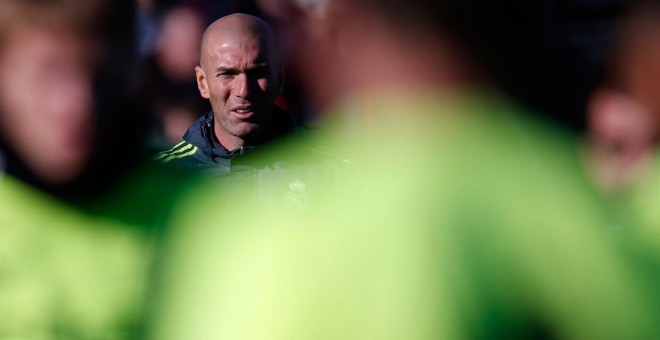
(46, 101)
(241, 75)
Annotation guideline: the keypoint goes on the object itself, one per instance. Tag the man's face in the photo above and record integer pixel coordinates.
(46, 101)
(240, 77)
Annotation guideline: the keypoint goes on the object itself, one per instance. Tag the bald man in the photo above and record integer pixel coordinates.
(241, 74)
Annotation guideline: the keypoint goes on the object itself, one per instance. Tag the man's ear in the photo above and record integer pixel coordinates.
(280, 79)
(202, 85)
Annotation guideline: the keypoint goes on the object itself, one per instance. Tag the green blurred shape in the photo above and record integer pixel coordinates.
(454, 218)
(64, 274)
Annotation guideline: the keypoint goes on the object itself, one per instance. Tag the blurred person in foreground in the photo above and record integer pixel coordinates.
(70, 117)
(460, 215)
(240, 73)
(46, 113)
(72, 124)
(621, 149)
(76, 232)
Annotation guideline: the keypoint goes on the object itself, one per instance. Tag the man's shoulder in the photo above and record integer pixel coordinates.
(304, 145)
(191, 146)
(184, 151)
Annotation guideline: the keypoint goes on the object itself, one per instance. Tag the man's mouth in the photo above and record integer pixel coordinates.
(243, 112)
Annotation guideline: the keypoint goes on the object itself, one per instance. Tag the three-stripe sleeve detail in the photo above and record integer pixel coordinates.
(183, 149)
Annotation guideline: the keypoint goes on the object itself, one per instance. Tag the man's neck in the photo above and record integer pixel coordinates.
(227, 141)
(230, 143)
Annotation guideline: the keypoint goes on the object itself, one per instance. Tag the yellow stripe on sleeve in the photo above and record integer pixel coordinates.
(172, 151)
(181, 155)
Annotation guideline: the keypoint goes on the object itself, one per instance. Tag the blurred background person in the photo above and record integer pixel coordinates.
(460, 216)
(170, 82)
(621, 144)
(147, 22)
(624, 108)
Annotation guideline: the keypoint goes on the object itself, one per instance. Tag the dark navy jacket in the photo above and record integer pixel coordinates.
(201, 151)
(275, 177)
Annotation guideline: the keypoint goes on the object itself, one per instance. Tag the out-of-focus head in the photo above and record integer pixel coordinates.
(177, 48)
(624, 111)
(241, 74)
(47, 60)
(339, 47)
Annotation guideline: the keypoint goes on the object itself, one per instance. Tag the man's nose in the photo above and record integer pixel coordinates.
(242, 86)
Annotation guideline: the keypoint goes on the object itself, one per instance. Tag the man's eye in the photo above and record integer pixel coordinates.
(226, 75)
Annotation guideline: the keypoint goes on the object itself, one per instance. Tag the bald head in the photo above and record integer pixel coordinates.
(241, 74)
(238, 28)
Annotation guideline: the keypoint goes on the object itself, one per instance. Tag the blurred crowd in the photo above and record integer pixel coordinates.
(425, 169)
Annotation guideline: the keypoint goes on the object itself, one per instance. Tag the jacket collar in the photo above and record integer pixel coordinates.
(201, 134)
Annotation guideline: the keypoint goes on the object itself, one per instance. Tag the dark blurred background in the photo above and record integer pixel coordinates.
(546, 53)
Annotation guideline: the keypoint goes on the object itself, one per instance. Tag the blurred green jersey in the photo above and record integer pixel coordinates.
(65, 275)
(456, 218)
